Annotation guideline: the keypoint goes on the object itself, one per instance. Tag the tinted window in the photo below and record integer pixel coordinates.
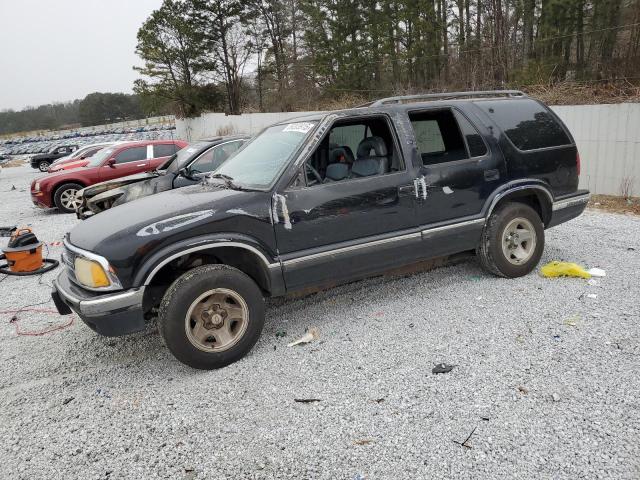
(438, 137)
(528, 124)
(132, 155)
(477, 147)
(164, 150)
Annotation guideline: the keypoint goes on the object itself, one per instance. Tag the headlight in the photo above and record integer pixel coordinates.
(90, 273)
(37, 187)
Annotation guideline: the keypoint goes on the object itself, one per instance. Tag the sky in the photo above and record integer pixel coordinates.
(60, 50)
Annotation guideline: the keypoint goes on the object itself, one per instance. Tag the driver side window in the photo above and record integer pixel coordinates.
(215, 156)
(353, 149)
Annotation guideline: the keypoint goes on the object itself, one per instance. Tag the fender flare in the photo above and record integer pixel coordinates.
(162, 257)
(533, 185)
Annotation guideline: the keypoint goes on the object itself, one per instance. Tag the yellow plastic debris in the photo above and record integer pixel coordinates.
(563, 269)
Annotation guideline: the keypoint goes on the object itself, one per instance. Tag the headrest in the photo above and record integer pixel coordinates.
(372, 143)
(341, 155)
(337, 171)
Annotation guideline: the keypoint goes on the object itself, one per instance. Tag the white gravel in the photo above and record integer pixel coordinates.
(547, 377)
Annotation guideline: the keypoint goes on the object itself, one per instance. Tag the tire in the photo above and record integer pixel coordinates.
(64, 197)
(217, 338)
(43, 165)
(504, 250)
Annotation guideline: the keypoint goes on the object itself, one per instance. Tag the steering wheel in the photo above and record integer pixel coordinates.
(314, 172)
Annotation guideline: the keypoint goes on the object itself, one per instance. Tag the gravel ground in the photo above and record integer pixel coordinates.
(545, 377)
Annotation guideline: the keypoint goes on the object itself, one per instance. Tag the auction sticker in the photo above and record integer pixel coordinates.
(302, 127)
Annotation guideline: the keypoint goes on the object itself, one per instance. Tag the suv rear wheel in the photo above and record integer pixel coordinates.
(66, 197)
(211, 316)
(43, 166)
(512, 241)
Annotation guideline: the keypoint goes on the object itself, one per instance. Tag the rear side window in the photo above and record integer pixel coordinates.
(133, 154)
(438, 137)
(164, 150)
(477, 147)
(528, 124)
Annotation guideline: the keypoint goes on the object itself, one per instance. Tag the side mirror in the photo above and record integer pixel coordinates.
(112, 163)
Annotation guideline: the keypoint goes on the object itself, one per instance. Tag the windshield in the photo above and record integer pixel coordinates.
(182, 157)
(262, 160)
(100, 157)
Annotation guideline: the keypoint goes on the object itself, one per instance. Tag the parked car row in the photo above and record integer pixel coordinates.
(310, 202)
(59, 189)
(43, 146)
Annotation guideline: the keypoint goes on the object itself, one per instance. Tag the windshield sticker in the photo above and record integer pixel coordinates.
(302, 127)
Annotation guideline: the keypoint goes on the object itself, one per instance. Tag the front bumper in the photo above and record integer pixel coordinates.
(112, 314)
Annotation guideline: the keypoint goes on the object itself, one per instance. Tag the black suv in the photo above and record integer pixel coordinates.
(42, 161)
(321, 200)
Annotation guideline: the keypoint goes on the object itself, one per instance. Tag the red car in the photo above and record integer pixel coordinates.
(79, 158)
(59, 189)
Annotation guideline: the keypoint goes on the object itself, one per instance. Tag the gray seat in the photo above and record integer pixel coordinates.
(336, 172)
(340, 161)
(373, 158)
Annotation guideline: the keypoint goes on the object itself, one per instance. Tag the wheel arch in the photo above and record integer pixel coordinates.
(163, 268)
(537, 196)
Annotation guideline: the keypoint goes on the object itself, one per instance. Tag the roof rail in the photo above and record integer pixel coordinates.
(447, 96)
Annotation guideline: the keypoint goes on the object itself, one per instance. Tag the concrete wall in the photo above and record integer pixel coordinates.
(608, 138)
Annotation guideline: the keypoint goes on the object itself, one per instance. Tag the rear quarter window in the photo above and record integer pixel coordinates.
(528, 124)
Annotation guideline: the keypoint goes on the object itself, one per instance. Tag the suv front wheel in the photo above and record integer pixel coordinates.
(211, 316)
(512, 241)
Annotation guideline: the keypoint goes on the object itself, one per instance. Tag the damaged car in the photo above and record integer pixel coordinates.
(187, 167)
(321, 200)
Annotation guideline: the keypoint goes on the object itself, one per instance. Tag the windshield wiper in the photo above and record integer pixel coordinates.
(227, 179)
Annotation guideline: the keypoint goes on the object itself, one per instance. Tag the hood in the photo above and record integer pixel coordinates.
(116, 183)
(166, 217)
(69, 165)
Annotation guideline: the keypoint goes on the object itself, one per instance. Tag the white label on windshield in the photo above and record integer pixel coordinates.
(302, 127)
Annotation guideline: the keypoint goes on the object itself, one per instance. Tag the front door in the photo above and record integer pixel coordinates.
(349, 212)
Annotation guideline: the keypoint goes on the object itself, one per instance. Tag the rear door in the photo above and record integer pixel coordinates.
(128, 161)
(461, 164)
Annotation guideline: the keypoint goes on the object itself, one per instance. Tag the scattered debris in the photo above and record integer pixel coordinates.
(555, 397)
(365, 441)
(442, 368)
(563, 269)
(464, 444)
(520, 338)
(281, 334)
(597, 272)
(379, 400)
(306, 400)
(67, 400)
(631, 249)
(102, 393)
(523, 390)
(572, 321)
(486, 419)
(411, 325)
(593, 283)
(308, 337)
(592, 295)
(556, 337)
(447, 190)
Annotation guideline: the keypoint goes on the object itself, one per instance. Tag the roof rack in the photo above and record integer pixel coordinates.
(447, 96)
